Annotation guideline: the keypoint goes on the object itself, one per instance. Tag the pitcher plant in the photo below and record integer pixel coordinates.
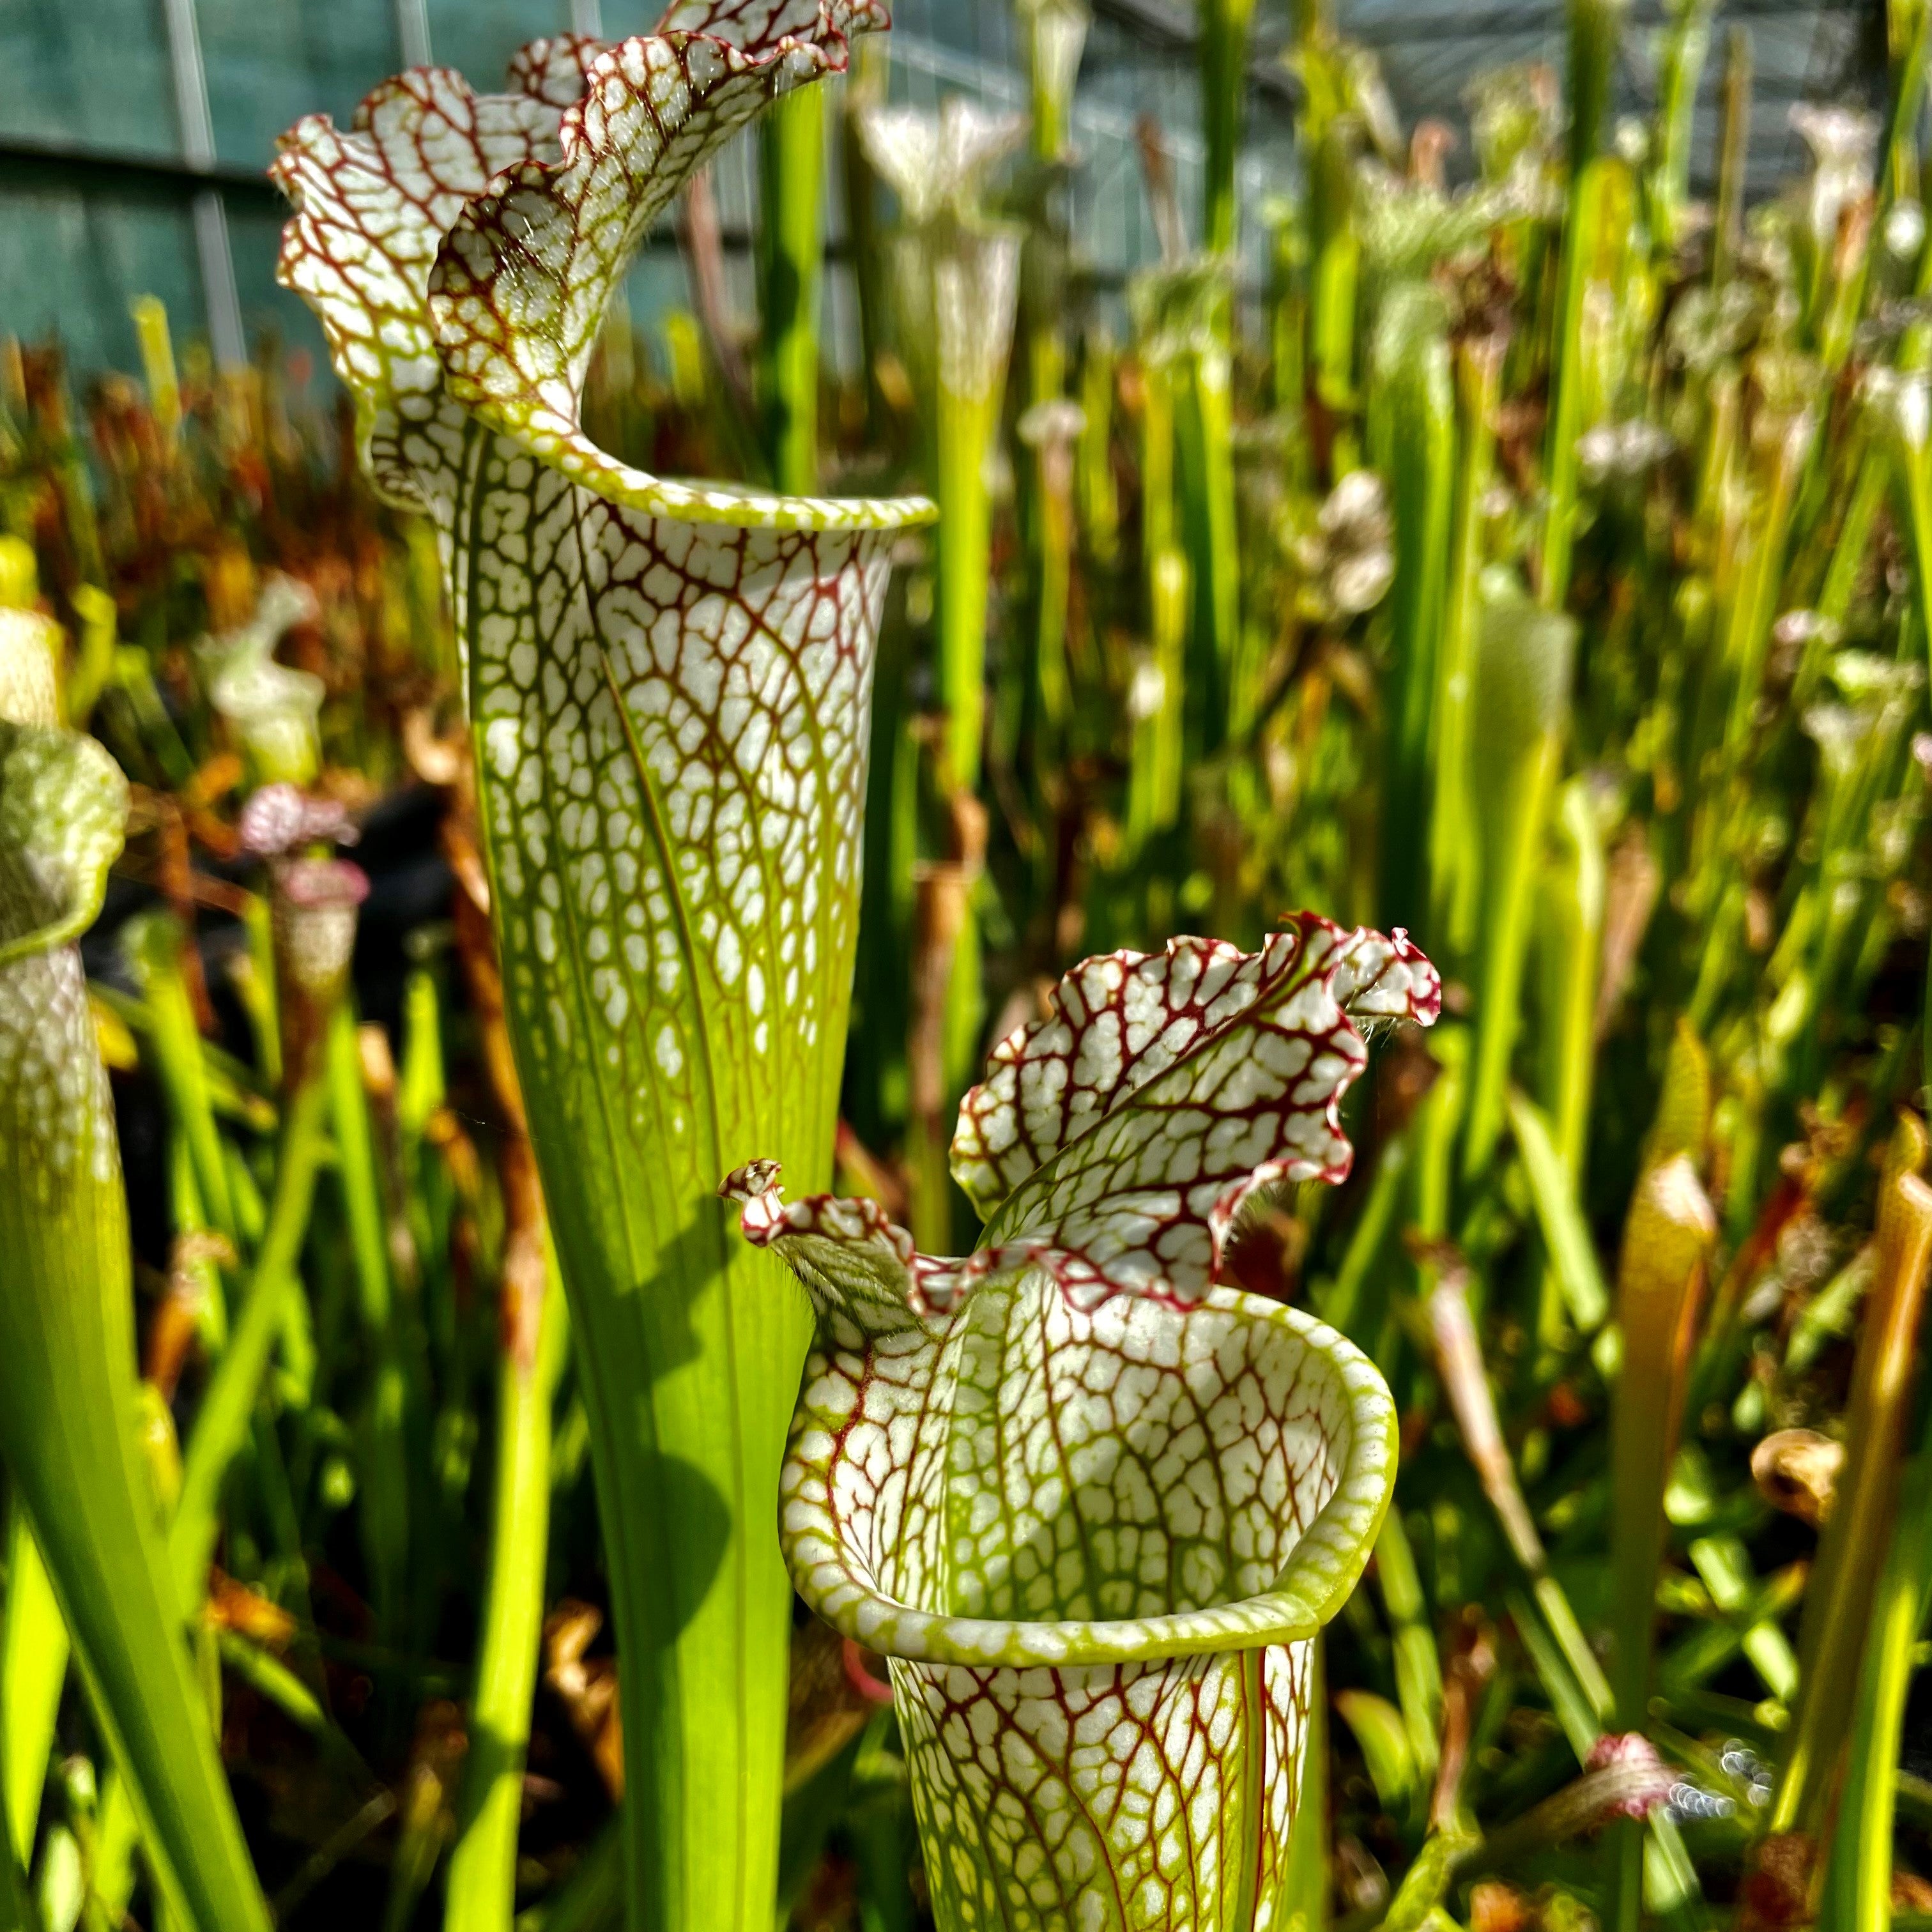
(1093, 1503)
(669, 686)
(71, 1406)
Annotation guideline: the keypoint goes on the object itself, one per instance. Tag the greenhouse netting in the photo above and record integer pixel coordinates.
(134, 134)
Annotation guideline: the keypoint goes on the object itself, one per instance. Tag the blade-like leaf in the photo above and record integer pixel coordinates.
(34, 1652)
(1560, 1216)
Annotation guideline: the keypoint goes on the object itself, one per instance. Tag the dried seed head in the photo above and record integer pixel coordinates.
(1796, 1470)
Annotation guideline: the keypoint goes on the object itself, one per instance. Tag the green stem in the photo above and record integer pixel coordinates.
(1413, 365)
(110, 1878)
(1099, 496)
(1583, 236)
(18, 1912)
(966, 424)
(1521, 700)
(1837, 1609)
(1337, 251)
(154, 948)
(1454, 876)
(386, 1494)
(1666, 1238)
(791, 139)
(1056, 30)
(483, 1867)
(1157, 752)
(1858, 1894)
(1572, 938)
(355, 1168)
(1287, 318)
(1053, 553)
(1154, 784)
(1906, 25)
(1906, 438)
(966, 421)
(1342, 1304)
(1848, 557)
(150, 317)
(1204, 422)
(1418, 1667)
(1438, 1121)
(94, 665)
(1686, 45)
(1570, 941)
(252, 975)
(227, 1409)
(1595, 27)
(1724, 1565)
(681, 1346)
(1458, 1360)
(1755, 607)
(159, 735)
(1571, 1278)
(189, 1219)
(1224, 88)
(1733, 154)
(965, 1019)
(865, 89)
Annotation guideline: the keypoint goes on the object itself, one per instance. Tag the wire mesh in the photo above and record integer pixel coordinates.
(77, 245)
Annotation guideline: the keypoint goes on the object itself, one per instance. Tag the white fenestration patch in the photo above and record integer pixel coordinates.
(63, 806)
(666, 1051)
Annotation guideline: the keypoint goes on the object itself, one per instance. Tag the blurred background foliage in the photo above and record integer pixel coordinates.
(1511, 525)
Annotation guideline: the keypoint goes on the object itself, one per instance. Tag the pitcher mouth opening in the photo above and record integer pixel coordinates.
(866, 1493)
